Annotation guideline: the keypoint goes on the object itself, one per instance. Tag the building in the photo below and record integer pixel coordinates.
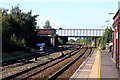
(47, 36)
(116, 38)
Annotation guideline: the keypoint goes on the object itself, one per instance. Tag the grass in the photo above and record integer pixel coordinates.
(20, 54)
(15, 55)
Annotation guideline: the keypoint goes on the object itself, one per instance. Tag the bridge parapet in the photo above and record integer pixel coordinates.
(79, 32)
(71, 32)
(45, 32)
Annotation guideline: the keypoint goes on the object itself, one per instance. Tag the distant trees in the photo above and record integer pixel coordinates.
(18, 28)
(85, 40)
(60, 28)
(71, 41)
(106, 38)
(47, 25)
(60, 40)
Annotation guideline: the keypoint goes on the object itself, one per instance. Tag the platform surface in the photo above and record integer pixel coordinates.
(99, 65)
(108, 68)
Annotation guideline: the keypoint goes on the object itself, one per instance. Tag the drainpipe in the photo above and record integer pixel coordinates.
(118, 42)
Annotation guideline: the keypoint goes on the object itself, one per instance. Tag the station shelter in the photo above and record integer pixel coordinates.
(116, 38)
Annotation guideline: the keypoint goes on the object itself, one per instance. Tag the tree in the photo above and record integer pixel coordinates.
(86, 40)
(60, 28)
(71, 41)
(0, 30)
(106, 38)
(24, 25)
(47, 25)
(18, 27)
(60, 40)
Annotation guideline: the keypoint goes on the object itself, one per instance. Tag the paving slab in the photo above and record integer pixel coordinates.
(98, 65)
(108, 68)
(84, 70)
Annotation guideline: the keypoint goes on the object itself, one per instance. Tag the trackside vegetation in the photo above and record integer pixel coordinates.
(18, 29)
(101, 41)
(106, 38)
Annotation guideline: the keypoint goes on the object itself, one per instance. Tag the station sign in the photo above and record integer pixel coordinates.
(117, 35)
(41, 44)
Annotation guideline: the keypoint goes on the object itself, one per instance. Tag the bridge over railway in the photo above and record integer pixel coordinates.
(69, 33)
(79, 32)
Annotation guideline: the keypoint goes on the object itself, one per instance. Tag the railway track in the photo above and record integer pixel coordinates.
(23, 59)
(52, 69)
(55, 71)
(27, 58)
(36, 69)
(66, 71)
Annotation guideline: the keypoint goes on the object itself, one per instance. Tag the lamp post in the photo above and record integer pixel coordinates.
(110, 13)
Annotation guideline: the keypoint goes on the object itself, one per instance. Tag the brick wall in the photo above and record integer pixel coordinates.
(115, 31)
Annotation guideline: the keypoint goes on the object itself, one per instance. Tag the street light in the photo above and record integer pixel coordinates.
(107, 21)
(110, 13)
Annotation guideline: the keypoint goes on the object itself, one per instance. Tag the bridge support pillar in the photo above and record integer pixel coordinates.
(95, 42)
(53, 41)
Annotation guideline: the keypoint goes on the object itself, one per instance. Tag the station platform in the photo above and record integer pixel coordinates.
(99, 66)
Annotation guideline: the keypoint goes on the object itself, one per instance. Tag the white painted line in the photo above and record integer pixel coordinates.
(74, 75)
(85, 70)
(89, 64)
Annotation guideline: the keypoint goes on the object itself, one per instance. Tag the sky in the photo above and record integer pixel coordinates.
(69, 14)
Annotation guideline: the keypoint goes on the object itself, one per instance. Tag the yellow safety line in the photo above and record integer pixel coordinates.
(99, 68)
(95, 71)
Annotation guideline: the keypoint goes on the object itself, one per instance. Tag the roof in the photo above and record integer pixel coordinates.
(116, 14)
(116, 19)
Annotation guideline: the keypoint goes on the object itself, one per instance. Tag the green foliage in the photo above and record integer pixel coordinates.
(0, 23)
(18, 27)
(6, 27)
(106, 38)
(47, 25)
(19, 42)
(84, 41)
(71, 41)
(60, 28)
(60, 40)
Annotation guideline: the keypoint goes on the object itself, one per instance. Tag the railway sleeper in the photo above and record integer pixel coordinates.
(59, 72)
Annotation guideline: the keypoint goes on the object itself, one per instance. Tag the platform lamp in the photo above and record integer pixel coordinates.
(110, 26)
(107, 21)
(111, 13)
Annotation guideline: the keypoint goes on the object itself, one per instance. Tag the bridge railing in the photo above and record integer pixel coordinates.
(80, 32)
